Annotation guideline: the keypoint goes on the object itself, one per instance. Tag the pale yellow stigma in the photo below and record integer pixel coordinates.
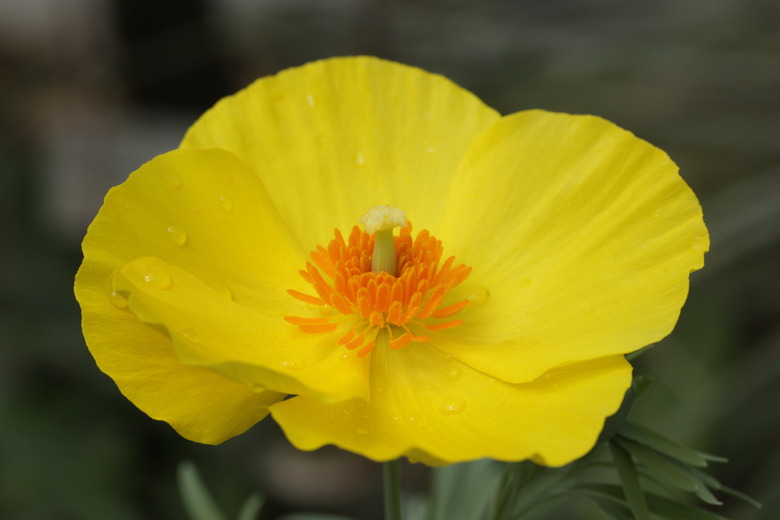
(380, 218)
(380, 221)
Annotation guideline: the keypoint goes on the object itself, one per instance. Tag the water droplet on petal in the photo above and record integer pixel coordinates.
(453, 406)
(477, 295)
(431, 149)
(158, 277)
(454, 374)
(360, 159)
(293, 364)
(177, 234)
(190, 334)
(221, 288)
(225, 203)
(361, 431)
(310, 100)
(118, 299)
(326, 310)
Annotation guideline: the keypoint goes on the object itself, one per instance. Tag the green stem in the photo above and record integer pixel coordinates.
(392, 473)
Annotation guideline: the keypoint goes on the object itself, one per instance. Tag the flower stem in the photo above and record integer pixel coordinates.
(392, 474)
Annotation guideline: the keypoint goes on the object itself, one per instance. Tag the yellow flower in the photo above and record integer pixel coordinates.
(543, 248)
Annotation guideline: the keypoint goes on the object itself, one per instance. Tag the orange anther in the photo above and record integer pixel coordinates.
(341, 276)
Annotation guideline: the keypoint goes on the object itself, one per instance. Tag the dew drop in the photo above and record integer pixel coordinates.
(345, 356)
(360, 159)
(310, 100)
(118, 299)
(477, 295)
(361, 431)
(453, 406)
(326, 310)
(454, 374)
(177, 234)
(221, 288)
(158, 277)
(293, 364)
(431, 149)
(190, 335)
(226, 204)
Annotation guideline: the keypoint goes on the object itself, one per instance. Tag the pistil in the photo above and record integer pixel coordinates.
(380, 222)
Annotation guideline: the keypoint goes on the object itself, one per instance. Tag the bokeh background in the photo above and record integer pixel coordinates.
(91, 89)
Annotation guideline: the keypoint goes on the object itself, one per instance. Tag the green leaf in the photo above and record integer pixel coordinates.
(673, 510)
(251, 507)
(312, 516)
(706, 496)
(739, 494)
(712, 458)
(713, 483)
(463, 490)
(665, 469)
(197, 500)
(641, 385)
(630, 480)
(609, 492)
(660, 443)
(613, 509)
(658, 505)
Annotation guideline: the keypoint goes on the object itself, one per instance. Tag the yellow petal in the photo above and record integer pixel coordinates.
(581, 238)
(335, 137)
(205, 212)
(199, 404)
(430, 407)
(208, 329)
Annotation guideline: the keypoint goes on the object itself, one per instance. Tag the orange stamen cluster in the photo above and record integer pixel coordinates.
(342, 277)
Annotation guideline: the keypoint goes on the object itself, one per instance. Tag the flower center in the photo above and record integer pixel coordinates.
(380, 282)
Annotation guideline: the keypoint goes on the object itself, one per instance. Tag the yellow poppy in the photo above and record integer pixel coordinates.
(540, 249)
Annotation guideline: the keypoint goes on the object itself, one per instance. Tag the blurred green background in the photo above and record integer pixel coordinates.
(91, 89)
